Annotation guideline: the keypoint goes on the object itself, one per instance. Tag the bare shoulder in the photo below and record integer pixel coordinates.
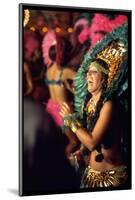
(68, 72)
(107, 108)
(108, 104)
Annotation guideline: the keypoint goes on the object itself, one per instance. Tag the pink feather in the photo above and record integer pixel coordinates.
(48, 40)
(102, 23)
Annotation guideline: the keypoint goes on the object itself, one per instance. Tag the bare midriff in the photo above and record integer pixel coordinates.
(112, 159)
(58, 93)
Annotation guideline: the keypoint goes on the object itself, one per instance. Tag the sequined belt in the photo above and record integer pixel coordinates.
(108, 178)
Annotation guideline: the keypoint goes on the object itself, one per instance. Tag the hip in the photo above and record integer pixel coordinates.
(114, 177)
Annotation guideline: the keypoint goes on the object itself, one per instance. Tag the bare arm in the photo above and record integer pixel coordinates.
(91, 140)
(68, 74)
(29, 80)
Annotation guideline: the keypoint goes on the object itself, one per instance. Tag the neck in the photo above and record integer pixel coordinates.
(96, 96)
(57, 66)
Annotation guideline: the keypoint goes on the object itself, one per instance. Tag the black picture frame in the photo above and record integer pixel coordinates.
(23, 191)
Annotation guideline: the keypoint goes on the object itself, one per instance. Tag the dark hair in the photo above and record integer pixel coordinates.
(102, 63)
(52, 53)
(105, 77)
(63, 49)
(100, 102)
(60, 52)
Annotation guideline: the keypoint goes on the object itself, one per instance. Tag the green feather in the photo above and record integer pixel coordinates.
(80, 82)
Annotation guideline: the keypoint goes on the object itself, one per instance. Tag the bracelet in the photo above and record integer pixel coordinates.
(68, 119)
(74, 126)
(71, 122)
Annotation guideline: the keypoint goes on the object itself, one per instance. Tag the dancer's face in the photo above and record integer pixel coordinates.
(94, 78)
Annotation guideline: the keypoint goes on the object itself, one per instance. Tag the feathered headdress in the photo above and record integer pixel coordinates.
(114, 55)
(113, 50)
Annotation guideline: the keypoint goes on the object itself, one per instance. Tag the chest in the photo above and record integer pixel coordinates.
(90, 114)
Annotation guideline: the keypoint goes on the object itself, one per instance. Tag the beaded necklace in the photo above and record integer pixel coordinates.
(90, 112)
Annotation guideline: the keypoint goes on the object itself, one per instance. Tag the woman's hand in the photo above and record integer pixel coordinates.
(78, 155)
(65, 110)
(76, 158)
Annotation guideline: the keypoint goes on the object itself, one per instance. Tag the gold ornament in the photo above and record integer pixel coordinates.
(26, 17)
(108, 178)
(113, 55)
(72, 124)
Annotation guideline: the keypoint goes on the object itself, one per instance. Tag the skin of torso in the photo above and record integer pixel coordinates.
(110, 147)
(112, 159)
(57, 92)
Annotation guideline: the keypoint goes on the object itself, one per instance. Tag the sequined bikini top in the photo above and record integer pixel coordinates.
(53, 81)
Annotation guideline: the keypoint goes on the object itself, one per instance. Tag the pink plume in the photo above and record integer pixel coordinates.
(81, 21)
(102, 23)
(83, 35)
(48, 40)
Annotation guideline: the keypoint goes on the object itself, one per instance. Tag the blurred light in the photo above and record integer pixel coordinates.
(70, 29)
(26, 17)
(32, 28)
(44, 29)
(58, 29)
